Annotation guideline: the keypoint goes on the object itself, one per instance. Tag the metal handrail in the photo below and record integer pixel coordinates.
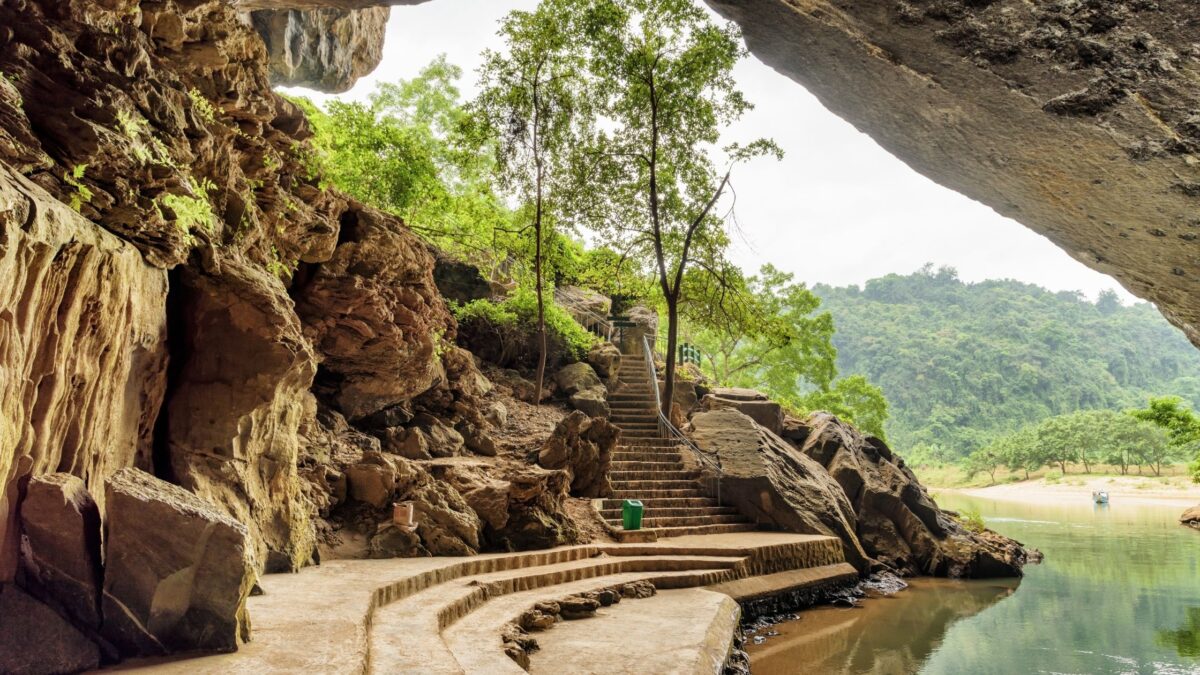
(586, 316)
(669, 430)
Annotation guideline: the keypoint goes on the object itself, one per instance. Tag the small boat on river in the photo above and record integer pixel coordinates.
(1100, 497)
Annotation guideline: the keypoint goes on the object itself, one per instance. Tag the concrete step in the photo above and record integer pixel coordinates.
(632, 405)
(645, 487)
(653, 511)
(665, 532)
(423, 617)
(647, 456)
(653, 522)
(692, 491)
(657, 475)
(634, 418)
(661, 503)
(443, 615)
(648, 443)
(749, 589)
(638, 465)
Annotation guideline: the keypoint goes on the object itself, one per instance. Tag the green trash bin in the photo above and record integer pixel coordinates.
(631, 514)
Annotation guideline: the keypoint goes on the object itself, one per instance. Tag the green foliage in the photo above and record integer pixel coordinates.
(513, 321)
(971, 519)
(1181, 424)
(1087, 437)
(764, 333)
(601, 269)
(191, 210)
(403, 152)
(201, 105)
(962, 364)
(82, 194)
(1185, 640)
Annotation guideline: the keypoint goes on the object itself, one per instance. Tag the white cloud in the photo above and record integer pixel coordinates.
(838, 209)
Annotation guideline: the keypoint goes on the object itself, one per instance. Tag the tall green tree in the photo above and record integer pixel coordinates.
(664, 73)
(764, 332)
(1182, 426)
(532, 102)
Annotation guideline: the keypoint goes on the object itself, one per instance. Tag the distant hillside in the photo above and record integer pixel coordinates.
(960, 363)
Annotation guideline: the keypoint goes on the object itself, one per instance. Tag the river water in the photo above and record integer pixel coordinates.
(1119, 592)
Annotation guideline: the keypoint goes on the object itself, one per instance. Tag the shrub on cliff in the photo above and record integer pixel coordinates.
(505, 333)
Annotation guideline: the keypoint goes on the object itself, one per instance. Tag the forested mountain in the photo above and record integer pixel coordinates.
(961, 363)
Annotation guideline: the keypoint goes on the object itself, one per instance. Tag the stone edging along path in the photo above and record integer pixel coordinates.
(447, 615)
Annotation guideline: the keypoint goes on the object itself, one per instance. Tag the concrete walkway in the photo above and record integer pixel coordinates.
(443, 615)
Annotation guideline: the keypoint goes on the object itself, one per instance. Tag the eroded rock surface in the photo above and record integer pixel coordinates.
(324, 49)
(375, 314)
(237, 403)
(1077, 119)
(898, 523)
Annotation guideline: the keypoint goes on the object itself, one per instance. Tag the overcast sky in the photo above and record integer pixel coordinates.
(838, 209)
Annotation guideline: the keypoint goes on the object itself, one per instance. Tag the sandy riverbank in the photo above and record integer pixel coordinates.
(1126, 489)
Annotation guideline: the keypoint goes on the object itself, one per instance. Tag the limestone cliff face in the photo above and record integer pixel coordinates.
(1075, 117)
(159, 210)
(83, 355)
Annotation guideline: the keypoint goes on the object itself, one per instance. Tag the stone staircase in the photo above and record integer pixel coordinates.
(650, 468)
(447, 615)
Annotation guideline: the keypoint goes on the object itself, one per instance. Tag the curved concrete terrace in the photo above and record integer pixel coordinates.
(444, 615)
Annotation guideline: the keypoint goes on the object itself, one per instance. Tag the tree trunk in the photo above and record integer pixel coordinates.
(541, 308)
(672, 336)
(1063, 465)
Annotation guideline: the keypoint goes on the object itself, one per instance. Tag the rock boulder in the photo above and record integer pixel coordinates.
(898, 523)
(576, 377)
(1191, 517)
(605, 357)
(60, 553)
(583, 447)
(774, 483)
(768, 414)
(177, 570)
(592, 402)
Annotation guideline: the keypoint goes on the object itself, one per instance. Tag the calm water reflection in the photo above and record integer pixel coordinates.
(1119, 593)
